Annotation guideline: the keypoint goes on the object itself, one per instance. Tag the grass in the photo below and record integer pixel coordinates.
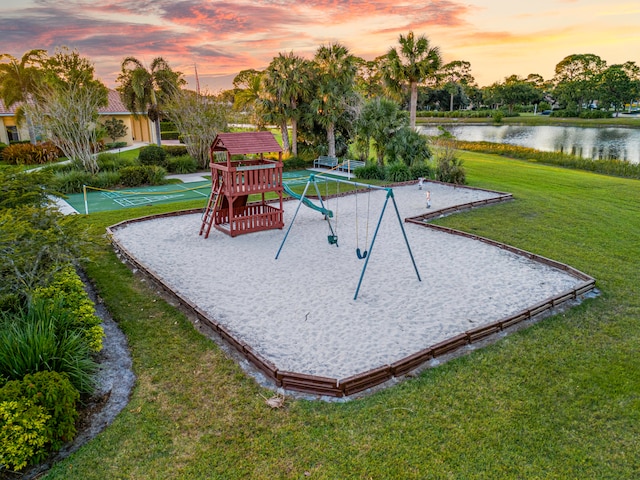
(558, 400)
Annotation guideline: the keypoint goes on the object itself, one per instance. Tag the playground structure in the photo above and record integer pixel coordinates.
(233, 180)
(332, 238)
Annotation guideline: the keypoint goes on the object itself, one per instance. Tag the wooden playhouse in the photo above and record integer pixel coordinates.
(239, 169)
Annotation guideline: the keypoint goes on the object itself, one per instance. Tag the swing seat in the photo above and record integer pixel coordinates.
(332, 239)
(361, 255)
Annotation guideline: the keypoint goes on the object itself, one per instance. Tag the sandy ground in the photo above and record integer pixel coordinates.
(299, 311)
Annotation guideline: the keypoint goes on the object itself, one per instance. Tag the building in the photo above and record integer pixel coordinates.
(139, 128)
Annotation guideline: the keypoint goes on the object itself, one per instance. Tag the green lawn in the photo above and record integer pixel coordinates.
(560, 400)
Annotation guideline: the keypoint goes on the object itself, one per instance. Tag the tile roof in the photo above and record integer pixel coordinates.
(115, 106)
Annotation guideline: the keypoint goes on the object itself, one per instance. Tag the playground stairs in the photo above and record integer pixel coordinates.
(214, 204)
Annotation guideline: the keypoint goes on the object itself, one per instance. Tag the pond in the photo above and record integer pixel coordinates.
(594, 143)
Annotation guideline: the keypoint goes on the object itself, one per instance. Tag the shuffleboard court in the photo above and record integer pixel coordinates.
(105, 200)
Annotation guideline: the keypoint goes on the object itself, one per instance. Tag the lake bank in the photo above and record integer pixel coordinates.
(623, 121)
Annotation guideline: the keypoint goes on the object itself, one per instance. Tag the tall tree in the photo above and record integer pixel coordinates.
(335, 95)
(615, 88)
(576, 78)
(144, 89)
(287, 82)
(248, 90)
(18, 81)
(67, 105)
(198, 118)
(455, 77)
(414, 62)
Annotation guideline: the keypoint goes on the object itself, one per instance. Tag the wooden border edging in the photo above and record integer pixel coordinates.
(332, 387)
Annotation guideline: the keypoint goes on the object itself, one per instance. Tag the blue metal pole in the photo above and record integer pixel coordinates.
(294, 216)
(406, 240)
(366, 262)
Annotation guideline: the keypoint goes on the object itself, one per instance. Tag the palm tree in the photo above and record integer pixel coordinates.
(413, 63)
(247, 92)
(287, 83)
(19, 80)
(379, 121)
(335, 94)
(141, 88)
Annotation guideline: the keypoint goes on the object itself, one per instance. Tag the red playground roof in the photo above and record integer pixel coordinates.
(246, 142)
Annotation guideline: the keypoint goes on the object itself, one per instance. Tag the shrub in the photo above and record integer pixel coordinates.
(175, 150)
(28, 154)
(44, 403)
(153, 155)
(182, 164)
(171, 135)
(449, 167)
(67, 290)
(114, 145)
(397, 172)
(23, 438)
(420, 170)
(113, 161)
(41, 338)
(72, 180)
(497, 116)
(371, 171)
(295, 163)
(595, 114)
(137, 175)
(408, 146)
(106, 179)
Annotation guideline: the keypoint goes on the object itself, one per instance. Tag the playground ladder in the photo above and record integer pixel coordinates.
(214, 203)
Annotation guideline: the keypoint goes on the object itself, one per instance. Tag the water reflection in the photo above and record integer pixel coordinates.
(594, 143)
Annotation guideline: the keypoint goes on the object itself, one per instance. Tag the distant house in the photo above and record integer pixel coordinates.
(139, 128)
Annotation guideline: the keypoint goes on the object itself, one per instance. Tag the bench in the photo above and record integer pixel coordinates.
(325, 161)
(351, 165)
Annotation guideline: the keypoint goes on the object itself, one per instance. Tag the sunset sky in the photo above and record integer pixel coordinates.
(498, 37)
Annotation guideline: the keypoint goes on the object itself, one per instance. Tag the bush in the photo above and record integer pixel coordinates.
(497, 116)
(45, 404)
(23, 434)
(170, 135)
(114, 145)
(175, 150)
(397, 172)
(595, 114)
(106, 180)
(41, 338)
(449, 167)
(371, 171)
(408, 146)
(67, 291)
(72, 180)
(153, 155)
(295, 163)
(28, 154)
(420, 170)
(138, 175)
(182, 164)
(113, 161)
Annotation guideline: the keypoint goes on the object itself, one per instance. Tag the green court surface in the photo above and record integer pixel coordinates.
(103, 200)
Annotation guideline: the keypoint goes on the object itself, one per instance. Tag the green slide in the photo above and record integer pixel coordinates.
(307, 202)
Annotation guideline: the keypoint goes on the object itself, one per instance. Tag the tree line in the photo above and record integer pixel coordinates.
(324, 103)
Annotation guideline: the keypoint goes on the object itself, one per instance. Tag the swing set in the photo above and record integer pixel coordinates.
(331, 218)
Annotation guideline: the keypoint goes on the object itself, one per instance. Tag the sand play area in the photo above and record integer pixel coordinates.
(298, 312)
